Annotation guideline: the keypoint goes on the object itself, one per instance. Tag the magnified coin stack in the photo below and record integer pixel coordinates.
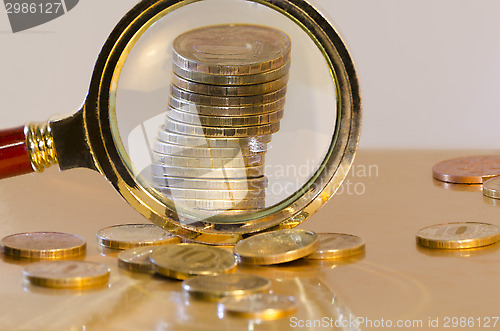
(227, 98)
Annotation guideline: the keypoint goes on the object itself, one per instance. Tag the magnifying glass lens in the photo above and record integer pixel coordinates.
(229, 113)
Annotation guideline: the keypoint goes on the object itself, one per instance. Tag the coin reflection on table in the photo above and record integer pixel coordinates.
(457, 187)
(467, 170)
(460, 253)
(134, 235)
(458, 235)
(43, 245)
(276, 246)
(337, 246)
(258, 306)
(213, 288)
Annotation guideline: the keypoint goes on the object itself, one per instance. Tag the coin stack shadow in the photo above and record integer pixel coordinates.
(210, 153)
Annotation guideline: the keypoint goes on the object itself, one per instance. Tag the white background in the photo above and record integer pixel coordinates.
(429, 70)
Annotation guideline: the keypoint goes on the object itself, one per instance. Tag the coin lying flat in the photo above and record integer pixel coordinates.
(134, 235)
(491, 188)
(43, 245)
(137, 259)
(222, 172)
(276, 246)
(212, 184)
(181, 193)
(458, 235)
(231, 49)
(210, 131)
(183, 140)
(208, 162)
(337, 245)
(262, 77)
(181, 261)
(197, 152)
(259, 306)
(467, 170)
(216, 100)
(230, 90)
(191, 107)
(215, 287)
(226, 121)
(67, 274)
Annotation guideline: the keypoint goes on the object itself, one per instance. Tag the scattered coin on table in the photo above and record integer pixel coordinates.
(458, 235)
(66, 274)
(336, 246)
(467, 170)
(181, 261)
(43, 245)
(127, 236)
(276, 246)
(491, 188)
(137, 259)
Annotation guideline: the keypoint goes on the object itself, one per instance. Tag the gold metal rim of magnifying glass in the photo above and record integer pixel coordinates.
(111, 159)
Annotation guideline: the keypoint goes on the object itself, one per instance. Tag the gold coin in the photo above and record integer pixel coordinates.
(200, 162)
(43, 245)
(181, 193)
(491, 188)
(276, 246)
(181, 261)
(232, 49)
(263, 306)
(458, 235)
(225, 121)
(238, 132)
(134, 235)
(230, 90)
(254, 142)
(137, 259)
(198, 77)
(215, 100)
(212, 184)
(66, 274)
(215, 287)
(337, 245)
(194, 108)
(220, 173)
(213, 152)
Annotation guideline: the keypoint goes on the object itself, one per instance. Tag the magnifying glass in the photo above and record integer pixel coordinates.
(210, 159)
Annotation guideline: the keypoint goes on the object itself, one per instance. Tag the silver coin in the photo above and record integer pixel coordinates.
(137, 259)
(210, 152)
(212, 184)
(194, 108)
(200, 162)
(232, 49)
(230, 90)
(242, 172)
(215, 100)
(267, 76)
(221, 204)
(491, 188)
(225, 121)
(247, 131)
(181, 193)
(254, 142)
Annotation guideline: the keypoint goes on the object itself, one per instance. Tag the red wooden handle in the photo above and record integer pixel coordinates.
(14, 157)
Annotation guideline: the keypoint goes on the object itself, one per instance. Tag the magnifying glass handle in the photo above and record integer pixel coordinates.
(37, 146)
(14, 156)
(26, 149)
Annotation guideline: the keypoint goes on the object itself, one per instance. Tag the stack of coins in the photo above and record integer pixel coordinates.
(227, 98)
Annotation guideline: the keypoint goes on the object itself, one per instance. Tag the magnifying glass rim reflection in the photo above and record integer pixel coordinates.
(112, 159)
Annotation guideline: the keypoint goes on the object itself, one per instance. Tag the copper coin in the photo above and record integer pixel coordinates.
(467, 170)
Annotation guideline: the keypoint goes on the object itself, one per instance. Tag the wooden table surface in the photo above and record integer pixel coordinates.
(386, 199)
